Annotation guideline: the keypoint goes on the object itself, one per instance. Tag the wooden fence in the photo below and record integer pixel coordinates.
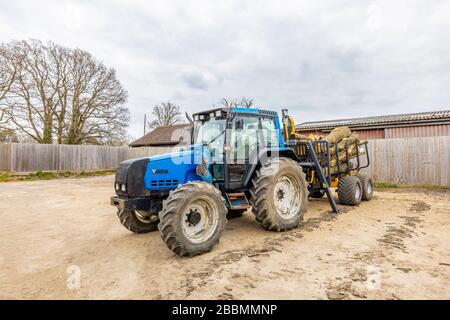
(411, 161)
(28, 157)
(404, 161)
(5, 157)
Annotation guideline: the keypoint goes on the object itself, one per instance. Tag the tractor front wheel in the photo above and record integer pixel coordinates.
(279, 194)
(193, 218)
(138, 221)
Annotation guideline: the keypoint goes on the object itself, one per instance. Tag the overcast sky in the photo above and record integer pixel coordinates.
(320, 59)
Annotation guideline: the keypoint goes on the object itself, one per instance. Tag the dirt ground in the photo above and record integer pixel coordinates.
(396, 246)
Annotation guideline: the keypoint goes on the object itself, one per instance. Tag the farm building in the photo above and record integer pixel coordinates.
(422, 124)
(164, 137)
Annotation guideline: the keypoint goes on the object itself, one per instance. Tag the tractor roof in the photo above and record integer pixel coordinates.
(240, 110)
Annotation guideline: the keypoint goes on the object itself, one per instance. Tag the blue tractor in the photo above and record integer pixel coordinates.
(239, 158)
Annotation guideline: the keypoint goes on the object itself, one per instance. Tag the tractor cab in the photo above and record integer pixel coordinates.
(234, 139)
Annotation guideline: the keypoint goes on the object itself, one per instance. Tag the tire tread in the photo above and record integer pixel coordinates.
(170, 211)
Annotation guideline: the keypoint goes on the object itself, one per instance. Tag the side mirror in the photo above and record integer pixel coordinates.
(191, 128)
(239, 124)
(188, 117)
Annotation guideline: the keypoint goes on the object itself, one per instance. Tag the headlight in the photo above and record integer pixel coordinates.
(123, 188)
(117, 186)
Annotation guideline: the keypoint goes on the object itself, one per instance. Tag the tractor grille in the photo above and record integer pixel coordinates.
(164, 183)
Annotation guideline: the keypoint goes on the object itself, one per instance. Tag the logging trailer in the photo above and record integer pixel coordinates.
(239, 158)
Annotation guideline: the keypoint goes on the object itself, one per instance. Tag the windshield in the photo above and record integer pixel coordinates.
(206, 131)
(211, 133)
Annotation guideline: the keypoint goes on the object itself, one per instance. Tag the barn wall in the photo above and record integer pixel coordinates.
(363, 134)
(391, 133)
(370, 134)
(418, 131)
(308, 132)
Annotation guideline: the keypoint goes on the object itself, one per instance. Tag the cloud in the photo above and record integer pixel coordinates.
(321, 59)
(195, 80)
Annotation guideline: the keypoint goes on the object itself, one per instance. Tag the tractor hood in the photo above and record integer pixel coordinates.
(167, 171)
(138, 177)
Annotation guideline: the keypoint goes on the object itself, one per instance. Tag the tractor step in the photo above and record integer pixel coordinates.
(237, 200)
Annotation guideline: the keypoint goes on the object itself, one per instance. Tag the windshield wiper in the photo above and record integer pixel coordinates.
(230, 118)
(215, 138)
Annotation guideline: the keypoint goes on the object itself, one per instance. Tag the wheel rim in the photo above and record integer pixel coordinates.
(358, 192)
(287, 197)
(145, 216)
(200, 220)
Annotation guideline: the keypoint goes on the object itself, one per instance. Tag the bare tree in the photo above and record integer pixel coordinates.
(64, 95)
(235, 103)
(228, 103)
(96, 110)
(8, 136)
(166, 114)
(7, 75)
(246, 103)
(31, 100)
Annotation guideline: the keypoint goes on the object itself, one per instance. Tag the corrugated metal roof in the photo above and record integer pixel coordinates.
(396, 119)
(162, 136)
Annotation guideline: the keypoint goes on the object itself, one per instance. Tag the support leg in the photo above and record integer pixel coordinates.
(322, 177)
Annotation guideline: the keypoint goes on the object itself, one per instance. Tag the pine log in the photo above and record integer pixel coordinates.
(337, 134)
(353, 138)
(302, 137)
(343, 155)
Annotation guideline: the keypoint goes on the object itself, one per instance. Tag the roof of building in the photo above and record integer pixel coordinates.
(171, 135)
(380, 121)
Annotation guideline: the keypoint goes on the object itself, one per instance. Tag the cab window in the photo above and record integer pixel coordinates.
(244, 138)
(269, 132)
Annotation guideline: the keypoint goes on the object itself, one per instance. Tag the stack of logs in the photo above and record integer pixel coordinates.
(337, 138)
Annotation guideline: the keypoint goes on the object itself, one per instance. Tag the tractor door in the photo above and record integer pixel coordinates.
(243, 140)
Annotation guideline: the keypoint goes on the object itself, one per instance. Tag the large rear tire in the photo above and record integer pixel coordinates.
(349, 190)
(367, 187)
(279, 194)
(138, 221)
(193, 218)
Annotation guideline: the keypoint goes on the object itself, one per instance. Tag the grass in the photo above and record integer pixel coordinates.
(6, 176)
(384, 185)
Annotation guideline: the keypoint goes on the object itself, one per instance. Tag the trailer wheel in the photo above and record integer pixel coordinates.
(231, 214)
(349, 190)
(367, 187)
(138, 221)
(279, 194)
(317, 194)
(193, 218)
